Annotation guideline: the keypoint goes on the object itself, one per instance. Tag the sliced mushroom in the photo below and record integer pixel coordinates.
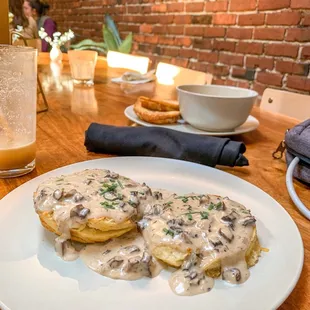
(216, 242)
(110, 196)
(226, 234)
(134, 200)
(158, 195)
(231, 275)
(130, 249)
(106, 252)
(80, 211)
(146, 258)
(134, 260)
(88, 181)
(153, 209)
(57, 194)
(115, 261)
(228, 219)
(185, 236)
(248, 220)
(70, 194)
(78, 197)
(147, 189)
(134, 193)
(204, 199)
(179, 222)
(190, 262)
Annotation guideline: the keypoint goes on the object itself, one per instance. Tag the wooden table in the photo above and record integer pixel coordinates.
(60, 142)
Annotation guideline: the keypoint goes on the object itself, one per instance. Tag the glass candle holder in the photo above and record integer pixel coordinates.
(18, 103)
(82, 64)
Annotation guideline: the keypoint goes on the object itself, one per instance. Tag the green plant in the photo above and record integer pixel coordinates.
(111, 40)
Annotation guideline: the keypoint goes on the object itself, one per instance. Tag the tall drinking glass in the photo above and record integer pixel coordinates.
(82, 64)
(18, 102)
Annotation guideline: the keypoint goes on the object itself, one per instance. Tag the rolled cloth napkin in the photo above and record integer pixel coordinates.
(163, 142)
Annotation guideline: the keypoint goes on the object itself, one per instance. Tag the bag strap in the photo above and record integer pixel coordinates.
(291, 190)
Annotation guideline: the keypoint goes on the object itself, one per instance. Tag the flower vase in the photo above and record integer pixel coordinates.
(56, 54)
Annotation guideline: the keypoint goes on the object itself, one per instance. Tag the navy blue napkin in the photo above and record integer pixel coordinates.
(163, 142)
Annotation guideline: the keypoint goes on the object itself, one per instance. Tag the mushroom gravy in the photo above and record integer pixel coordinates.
(208, 230)
(125, 257)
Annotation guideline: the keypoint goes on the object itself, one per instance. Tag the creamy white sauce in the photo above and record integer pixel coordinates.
(211, 228)
(124, 258)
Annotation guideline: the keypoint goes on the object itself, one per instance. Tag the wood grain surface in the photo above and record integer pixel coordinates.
(60, 142)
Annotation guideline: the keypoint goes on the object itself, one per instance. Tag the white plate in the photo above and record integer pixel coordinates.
(250, 124)
(32, 277)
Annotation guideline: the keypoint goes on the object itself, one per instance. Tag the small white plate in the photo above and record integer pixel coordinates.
(250, 124)
(119, 80)
(32, 277)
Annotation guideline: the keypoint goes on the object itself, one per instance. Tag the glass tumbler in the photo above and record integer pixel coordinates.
(82, 64)
(18, 103)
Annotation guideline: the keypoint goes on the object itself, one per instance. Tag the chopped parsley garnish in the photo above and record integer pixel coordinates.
(120, 184)
(218, 206)
(169, 232)
(185, 199)
(107, 205)
(211, 206)
(108, 188)
(141, 193)
(168, 204)
(204, 215)
(59, 180)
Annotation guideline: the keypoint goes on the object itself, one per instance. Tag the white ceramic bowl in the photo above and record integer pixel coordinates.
(215, 107)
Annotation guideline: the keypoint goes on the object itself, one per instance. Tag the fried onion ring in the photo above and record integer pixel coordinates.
(155, 117)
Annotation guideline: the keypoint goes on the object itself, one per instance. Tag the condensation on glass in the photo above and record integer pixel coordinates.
(18, 102)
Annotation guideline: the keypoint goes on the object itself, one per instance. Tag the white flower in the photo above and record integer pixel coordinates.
(56, 34)
(58, 39)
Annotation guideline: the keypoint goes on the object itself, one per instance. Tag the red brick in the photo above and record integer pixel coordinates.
(198, 66)
(231, 83)
(292, 67)
(146, 9)
(188, 53)
(270, 78)
(174, 52)
(305, 53)
(202, 19)
(242, 73)
(256, 19)
(231, 59)
(175, 29)
(146, 28)
(208, 57)
(159, 8)
(300, 4)
(194, 31)
(183, 41)
(298, 34)
(281, 49)
(259, 62)
(239, 33)
(218, 82)
(219, 70)
(273, 4)
(166, 40)
(298, 82)
(214, 32)
(306, 21)
(133, 9)
(138, 38)
(175, 7)
(283, 18)
(260, 88)
(203, 44)
(276, 34)
(160, 29)
(182, 19)
(153, 39)
(242, 5)
(216, 6)
(194, 7)
(250, 48)
(224, 46)
(224, 19)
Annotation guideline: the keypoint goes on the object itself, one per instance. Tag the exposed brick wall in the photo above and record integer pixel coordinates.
(247, 43)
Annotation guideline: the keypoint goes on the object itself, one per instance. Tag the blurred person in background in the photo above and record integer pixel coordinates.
(38, 10)
(29, 26)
